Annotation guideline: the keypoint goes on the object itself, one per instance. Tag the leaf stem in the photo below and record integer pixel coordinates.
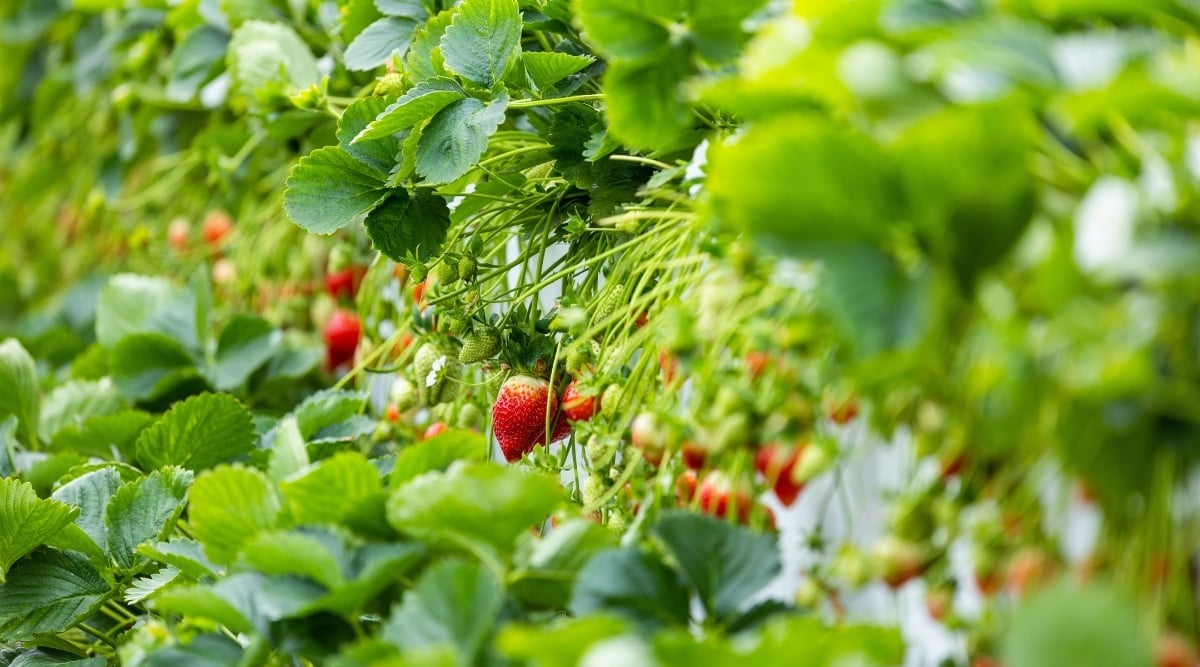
(522, 104)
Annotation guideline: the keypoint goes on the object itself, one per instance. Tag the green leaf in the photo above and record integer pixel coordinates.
(144, 587)
(633, 30)
(73, 403)
(246, 343)
(715, 27)
(202, 602)
(379, 154)
(91, 493)
(413, 9)
(631, 583)
(724, 564)
(373, 567)
(228, 506)
(376, 45)
(211, 650)
(560, 644)
(147, 366)
(48, 594)
(328, 189)
(456, 138)
(288, 453)
(840, 185)
(131, 304)
(331, 488)
(643, 101)
(546, 68)
(425, 53)
(26, 520)
(245, 602)
(42, 657)
(20, 397)
(269, 60)
(455, 604)
(289, 552)
(483, 37)
(198, 433)
(422, 101)
(1070, 624)
(407, 225)
(140, 510)
(187, 555)
(100, 436)
(966, 176)
(326, 408)
(437, 453)
(478, 506)
(545, 571)
(194, 61)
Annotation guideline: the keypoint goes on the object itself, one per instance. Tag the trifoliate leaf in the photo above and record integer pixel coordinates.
(482, 39)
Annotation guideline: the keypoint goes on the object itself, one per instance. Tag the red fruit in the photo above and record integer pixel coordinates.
(419, 293)
(642, 319)
(649, 435)
(775, 463)
(756, 363)
(392, 414)
(1172, 650)
(988, 581)
(717, 494)
(938, 602)
(952, 466)
(1027, 569)
(899, 560)
(519, 415)
(685, 487)
(178, 233)
(341, 337)
(434, 429)
(578, 407)
(216, 226)
(668, 365)
(844, 412)
(694, 455)
(344, 282)
(405, 341)
(985, 661)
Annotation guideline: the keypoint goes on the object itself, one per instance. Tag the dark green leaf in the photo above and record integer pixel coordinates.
(546, 68)
(725, 565)
(454, 605)
(421, 102)
(187, 555)
(409, 225)
(631, 583)
(211, 650)
(48, 594)
(328, 189)
(91, 493)
(140, 510)
(425, 53)
(194, 61)
(245, 344)
(379, 154)
(198, 433)
(147, 366)
(545, 569)
(483, 38)
(456, 138)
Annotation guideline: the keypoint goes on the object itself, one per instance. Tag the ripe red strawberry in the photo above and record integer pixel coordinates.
(685, 487)
(756, 363)
(519, 415)
(668, 366)
(844, 412)
(341, 338)
(392, 413)
(216, 226)
(434, 429)
(718, 496)
(345, 282)
(1027, 569)
(577, 406)
(649, 435)
(694, 455)
(776, 463)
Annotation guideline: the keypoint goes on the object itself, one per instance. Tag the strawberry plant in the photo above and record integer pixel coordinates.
(372, 332)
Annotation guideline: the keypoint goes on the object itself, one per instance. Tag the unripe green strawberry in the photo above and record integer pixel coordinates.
(593, 489)
(612, 300)
(446, 272)
(576, 360)
(481, 344)
(470, 416)
(612, 401)
(451, 323)
(467, 268)
(617, 522)
(436, 374)
(391, 84)
(600, 451)
(404, 394)
(730, 432)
